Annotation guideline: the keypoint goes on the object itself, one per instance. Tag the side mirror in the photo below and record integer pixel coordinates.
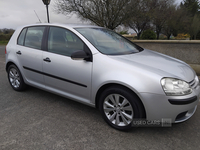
(80, 55)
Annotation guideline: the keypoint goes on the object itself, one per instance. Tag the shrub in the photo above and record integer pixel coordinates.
(148, 35)
(182, 36)
(4, 37)
(123, 32)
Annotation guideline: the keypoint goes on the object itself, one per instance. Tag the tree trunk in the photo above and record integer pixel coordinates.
(158, 35)
(138, 35)
(168, 36)
(195, 36)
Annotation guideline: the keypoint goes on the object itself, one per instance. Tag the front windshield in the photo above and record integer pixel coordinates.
(108, 42)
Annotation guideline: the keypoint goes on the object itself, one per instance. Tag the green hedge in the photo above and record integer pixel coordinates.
(148, 35)
(3, 42)
(5, 37)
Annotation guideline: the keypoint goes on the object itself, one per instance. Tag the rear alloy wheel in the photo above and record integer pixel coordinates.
(119, 107)
(15, 78)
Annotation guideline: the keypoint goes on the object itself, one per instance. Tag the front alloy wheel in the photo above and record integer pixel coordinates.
(118, 110)
(119, 106)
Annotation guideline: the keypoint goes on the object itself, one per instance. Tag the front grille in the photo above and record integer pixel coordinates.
(194, 83)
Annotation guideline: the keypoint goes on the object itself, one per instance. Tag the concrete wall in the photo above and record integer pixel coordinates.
(188, 51)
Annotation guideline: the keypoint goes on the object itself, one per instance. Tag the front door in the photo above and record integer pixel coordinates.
(63, 75)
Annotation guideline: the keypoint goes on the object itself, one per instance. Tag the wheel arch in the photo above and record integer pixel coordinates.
(10, 63)
(102, 88)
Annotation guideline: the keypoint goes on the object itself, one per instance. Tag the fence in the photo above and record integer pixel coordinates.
(185, 50)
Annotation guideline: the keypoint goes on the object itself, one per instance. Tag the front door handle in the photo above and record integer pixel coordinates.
(47, 59)
(19, 53)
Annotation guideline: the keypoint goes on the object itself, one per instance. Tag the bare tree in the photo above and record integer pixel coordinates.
(140, 20)
(160, 13)
(191, 10)
(7, 31)
(105, 13)
(181, 21)
(191, 6)
(172, 24)
(195, 26)
(122, 30)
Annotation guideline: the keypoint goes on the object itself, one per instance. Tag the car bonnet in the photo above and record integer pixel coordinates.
(158, 63)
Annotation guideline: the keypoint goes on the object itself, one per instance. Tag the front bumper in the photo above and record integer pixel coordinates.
(175, 108)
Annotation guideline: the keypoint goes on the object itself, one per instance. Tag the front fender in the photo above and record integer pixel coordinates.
(136, 79)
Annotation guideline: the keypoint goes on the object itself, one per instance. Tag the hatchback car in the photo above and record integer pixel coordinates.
(100, 68)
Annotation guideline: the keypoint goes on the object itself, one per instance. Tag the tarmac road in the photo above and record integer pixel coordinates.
(35, 119)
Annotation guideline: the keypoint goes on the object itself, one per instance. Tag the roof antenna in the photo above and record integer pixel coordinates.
(37, 16)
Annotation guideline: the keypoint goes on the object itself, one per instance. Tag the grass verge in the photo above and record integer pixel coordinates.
(3, 42)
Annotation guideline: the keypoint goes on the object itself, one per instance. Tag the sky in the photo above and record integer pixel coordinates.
(14, 13)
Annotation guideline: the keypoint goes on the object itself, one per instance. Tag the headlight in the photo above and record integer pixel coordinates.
(175, 87)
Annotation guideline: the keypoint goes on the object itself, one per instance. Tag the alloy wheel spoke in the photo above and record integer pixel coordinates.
(108, 104)
(109, 109)
(14, 72)
(127, 116)
(117, 119)
(112, 100)
(124, 103)
(124, 119)
(11, 74)
(17, 75)
(18, 79)
(12, 81)
(113, 116)
(17, 83)
(117, 99)
(128, 108)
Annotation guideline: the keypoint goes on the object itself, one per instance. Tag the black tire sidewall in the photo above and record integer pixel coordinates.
(133, 99)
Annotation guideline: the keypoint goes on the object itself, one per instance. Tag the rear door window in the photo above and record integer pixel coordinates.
(34, 37)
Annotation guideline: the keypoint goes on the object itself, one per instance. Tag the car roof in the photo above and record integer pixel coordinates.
(63, 25)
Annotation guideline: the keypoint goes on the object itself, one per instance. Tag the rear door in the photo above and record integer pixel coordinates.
(29, 54)
(63, 75)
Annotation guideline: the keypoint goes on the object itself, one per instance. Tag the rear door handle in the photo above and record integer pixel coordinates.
(19, 53)
(47, 59)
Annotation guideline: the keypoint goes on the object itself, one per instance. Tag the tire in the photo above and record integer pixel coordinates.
(119, 106)
(15, 78)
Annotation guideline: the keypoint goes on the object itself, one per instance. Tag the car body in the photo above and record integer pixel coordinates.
(100, 68)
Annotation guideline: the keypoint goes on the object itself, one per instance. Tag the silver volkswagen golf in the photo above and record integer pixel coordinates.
(100, 68)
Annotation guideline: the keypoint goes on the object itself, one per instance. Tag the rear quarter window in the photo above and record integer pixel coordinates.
(21, 37)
